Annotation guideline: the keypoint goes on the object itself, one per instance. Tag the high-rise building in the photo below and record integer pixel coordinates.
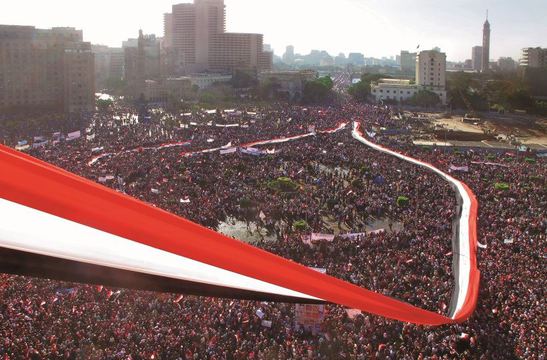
(506, 64)
(485, 62)
(51, 68)
(142, 61)
(235, 50)
(288, 56)
(431, 69)
(408, 61)
(534, 57)
(340, 60)
(357, 59)
(197, 40)
(476, 58)
(109, 64)
(430, 75)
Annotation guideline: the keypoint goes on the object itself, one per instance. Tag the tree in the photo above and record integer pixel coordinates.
(269, 88)
(300, 225)
(116, 85)
(104, 104)
(243, 79)
(317, 90)
(425, 98)
(361, 90)
(520, 99)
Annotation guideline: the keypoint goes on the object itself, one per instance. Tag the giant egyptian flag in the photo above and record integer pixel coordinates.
(55, 224)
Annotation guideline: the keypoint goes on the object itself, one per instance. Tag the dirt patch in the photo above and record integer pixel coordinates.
(456, 124)
(527, 129)
(463, 135)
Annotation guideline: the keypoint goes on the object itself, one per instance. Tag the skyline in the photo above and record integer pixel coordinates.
(350, 26)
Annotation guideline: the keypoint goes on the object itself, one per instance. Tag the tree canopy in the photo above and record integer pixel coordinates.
(425, 98)
(317, 90)
(361, 90)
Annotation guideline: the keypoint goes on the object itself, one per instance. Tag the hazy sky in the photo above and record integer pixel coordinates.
(374, 27)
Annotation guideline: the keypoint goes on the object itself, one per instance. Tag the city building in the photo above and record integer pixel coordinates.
(430, 70)
(485, 62)
(506, 64)
(204, 81)
(288, 84)
(534, 57)
(46, 68)
(109, 65)
(340, 60)
(476, 58)
(142, 62)
(288, 56)
(408, 61)
(230, 51)
(468, 64)
(197, 41)
(357, 59)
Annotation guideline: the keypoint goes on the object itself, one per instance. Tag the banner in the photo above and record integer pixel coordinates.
(228, 151)
(310, 317)
(73, 135)
(252, 151)
(163, 252)
(467, 274)
(309, 239)
(459, 168)
(38, 144)
(489, 164)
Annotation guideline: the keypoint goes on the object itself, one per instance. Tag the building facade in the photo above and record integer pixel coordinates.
(197, 41)
(50, 68)
(408, 61)
(356, 59)
(476, 58)
(431, 69)
(288, 56)
(401, 90)
(142, 62)
(288, 84)
(534, 57)
(430, 75)
(109, 64)
(506, 64)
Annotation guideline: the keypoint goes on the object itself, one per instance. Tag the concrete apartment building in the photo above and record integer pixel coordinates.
(289, 84)
(408, 61)
(235, 50)
(476, 58)
(45, 68)
(430, 70)
(197, 41)
(142, 62)
(506, 64)
(534, 57)
(109, 64)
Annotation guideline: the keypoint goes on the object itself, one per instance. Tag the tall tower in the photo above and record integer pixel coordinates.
(485, 66)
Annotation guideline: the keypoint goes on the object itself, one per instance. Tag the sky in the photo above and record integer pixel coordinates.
(376, 28)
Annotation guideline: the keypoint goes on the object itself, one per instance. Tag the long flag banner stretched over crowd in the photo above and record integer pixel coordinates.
(58, 225)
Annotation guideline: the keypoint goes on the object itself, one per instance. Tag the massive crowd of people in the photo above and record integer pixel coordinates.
(339, 186)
